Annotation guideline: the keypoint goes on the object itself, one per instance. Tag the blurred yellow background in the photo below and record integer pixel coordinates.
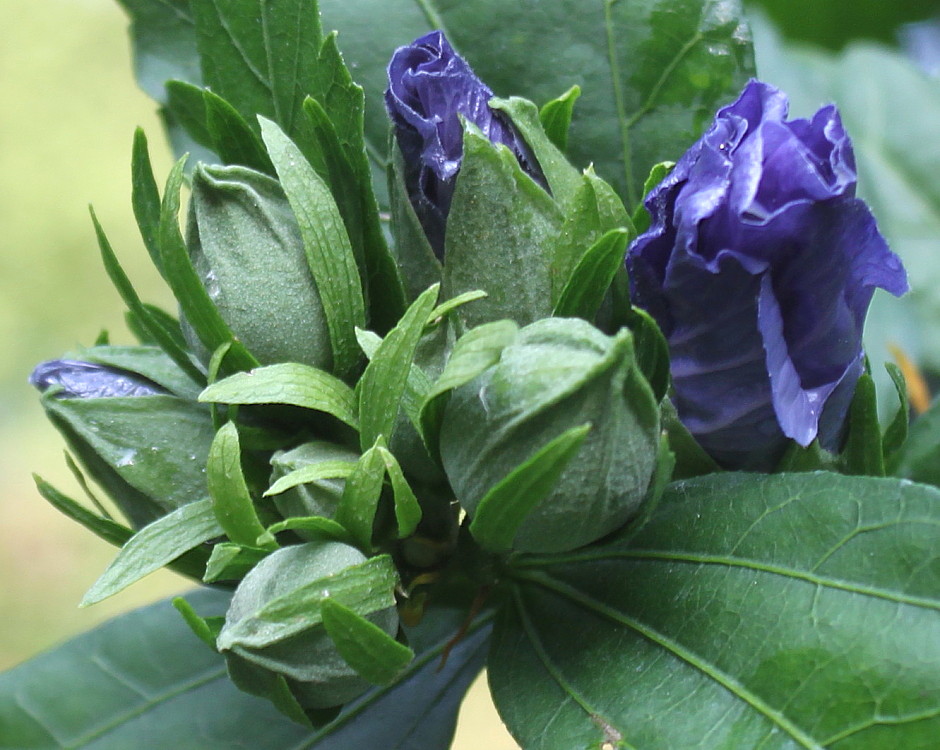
(69, 109)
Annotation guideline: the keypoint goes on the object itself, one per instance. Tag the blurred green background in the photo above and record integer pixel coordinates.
(69, 109)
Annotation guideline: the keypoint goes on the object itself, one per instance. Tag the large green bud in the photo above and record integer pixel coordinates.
(556, 375)
(246, 246)
(298, 648)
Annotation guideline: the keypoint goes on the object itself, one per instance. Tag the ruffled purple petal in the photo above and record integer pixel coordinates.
(76, 379)
(759, 266)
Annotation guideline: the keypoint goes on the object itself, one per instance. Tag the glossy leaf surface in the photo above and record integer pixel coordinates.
(792, 611)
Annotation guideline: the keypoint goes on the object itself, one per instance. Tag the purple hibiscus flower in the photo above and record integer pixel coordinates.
(759, 267)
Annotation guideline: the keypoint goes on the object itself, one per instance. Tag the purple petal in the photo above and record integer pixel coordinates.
(759, 266)
(88, 380)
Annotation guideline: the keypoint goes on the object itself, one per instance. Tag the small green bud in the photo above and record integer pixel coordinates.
(316, 498)
(316, 673)
(558, 374)
(246, 246)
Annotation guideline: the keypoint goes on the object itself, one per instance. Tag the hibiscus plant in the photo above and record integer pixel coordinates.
(526, 336)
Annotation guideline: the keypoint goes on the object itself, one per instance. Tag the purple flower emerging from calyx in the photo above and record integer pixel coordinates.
(89, 380)
(429, 85)
(759, 267)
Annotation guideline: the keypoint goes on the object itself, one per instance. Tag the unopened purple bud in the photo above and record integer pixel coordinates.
(429, 87)
(89, 380)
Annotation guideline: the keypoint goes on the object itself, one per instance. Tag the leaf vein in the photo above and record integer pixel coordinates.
(710, 670)
(238, 48)
(808, 577)
(619, 105)
(556, 674)
(216, 673)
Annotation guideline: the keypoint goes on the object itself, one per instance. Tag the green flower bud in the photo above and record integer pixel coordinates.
(246, 246)
(556, 375)
(319, 497)
(315, 672)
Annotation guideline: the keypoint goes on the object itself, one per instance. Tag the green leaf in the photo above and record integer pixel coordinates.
(206, 629)
(140, 675)
(155, 546)
(919, 457)
(231, 500)
(863, 452)
(592, 276)
(835, 22)
(556, 115)
(194, 300)
(357, 508)
(346, 168)
(652, 74)
(287, 383)
(420, 267)
(641, 217)
(316, 526)
(311, 473)
(475, 351)
(155, 444)
(691, 458)
(504, 508)
(231, 562)
(385, 378)
(445, 308)
(232, 137)
(563, 179)
(154, 327)
(145, 198)
(101, 691)
(407, 508)
(652, 350)
(500, 230)
(785, 611)
(164, 38)
(811, 458)
(186, 105)
(364, 588)
(896, 432)
(594, 210)
(104, 528)
(373, 653)
(329, 253)
(260, 56)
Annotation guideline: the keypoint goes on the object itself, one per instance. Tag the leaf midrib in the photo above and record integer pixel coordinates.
(707, 668)
(210, 676)
(419, 661)
(695, 558)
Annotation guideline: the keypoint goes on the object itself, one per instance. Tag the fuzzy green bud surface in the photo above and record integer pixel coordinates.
(246, 246)
(556, 375)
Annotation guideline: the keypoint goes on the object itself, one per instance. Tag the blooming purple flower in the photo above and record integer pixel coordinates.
(759, 267)
(89, 380)
(429, 85)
